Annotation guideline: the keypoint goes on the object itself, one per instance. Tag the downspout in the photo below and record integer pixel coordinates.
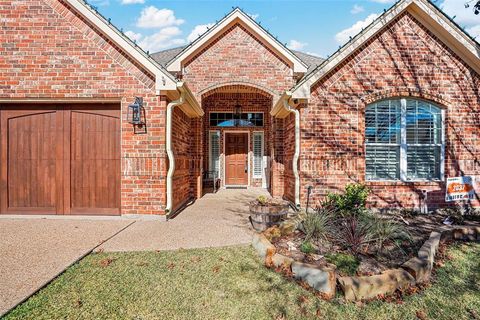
(286, 104)
(170, 155)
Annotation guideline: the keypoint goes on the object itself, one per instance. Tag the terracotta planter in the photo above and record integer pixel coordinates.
(265, 216)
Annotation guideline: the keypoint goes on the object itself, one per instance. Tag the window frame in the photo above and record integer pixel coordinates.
(403, 164)
(233, 115)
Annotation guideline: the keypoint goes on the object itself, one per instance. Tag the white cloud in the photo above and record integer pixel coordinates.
(132, 1)
(254, 16)
(164, 38)
(198, 30)
(383, 1)
(296, 45)
(344, 35)
(357, 9)
(133, 36)
(464, 16)
(152, 17)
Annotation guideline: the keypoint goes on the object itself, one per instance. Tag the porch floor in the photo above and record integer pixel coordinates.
(215, 220)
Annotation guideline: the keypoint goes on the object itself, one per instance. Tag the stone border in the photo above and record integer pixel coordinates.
(417, 270)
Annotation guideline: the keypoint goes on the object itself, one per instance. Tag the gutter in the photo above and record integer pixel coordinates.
(170, 155)
(286, 104)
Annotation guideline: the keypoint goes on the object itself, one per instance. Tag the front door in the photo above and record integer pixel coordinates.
(236, 160)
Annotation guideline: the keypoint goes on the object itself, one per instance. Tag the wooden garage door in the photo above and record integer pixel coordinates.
(60, 159)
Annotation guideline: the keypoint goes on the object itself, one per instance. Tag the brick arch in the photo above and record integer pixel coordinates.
(408, 93)
(237, 86)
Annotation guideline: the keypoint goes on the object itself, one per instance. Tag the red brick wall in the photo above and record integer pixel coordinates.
(403, 60)
(182, 143)
(237, 56)
(289, 152)
(250, 102)
(50, 52)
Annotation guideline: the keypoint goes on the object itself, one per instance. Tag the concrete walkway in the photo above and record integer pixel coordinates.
(34, 251)
(215, 220)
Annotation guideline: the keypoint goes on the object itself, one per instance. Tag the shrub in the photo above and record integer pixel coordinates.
(307, 247)
(262, 200)
(351, 202)
(346, 263)
(316, 224)
(353, 233)
(383, 230)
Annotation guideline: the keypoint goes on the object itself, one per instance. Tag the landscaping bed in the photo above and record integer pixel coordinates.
(366, 253)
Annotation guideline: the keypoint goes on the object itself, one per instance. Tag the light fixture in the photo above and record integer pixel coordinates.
(136, 112)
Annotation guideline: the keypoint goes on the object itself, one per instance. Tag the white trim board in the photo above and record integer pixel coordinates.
(237, 15)
(422, 10)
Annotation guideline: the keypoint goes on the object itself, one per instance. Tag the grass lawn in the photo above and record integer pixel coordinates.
(230, 283)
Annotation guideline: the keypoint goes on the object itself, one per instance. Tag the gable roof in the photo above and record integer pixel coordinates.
(163, 79)
(423, 10)
(165, 56)
(237, 15)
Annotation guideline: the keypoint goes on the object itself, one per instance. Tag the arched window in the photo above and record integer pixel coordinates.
(404, 140)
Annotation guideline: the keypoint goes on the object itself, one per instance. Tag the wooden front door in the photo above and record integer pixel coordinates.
(60, 159)
(236, 159)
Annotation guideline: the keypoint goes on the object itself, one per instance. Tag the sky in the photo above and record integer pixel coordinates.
(317, 27)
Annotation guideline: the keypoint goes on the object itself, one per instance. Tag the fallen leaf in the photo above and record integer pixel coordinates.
(171, 265)
(473, 313)
(421, 315)
(106, 262)
(302, 299)
(216, 269)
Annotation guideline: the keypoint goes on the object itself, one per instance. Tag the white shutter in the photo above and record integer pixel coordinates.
(257, 155)
(214, 151)
(382, 162)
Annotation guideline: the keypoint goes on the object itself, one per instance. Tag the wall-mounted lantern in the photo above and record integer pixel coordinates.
(136, 112)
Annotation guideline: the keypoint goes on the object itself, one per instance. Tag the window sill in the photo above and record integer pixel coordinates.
(404, 183)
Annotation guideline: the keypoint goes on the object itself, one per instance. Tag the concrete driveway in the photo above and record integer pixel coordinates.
(33, 251)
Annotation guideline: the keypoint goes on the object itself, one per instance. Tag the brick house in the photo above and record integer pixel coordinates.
(397, 108)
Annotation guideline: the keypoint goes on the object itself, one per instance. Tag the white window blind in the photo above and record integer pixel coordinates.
(257, 154)
(214, 151)
(404, 140)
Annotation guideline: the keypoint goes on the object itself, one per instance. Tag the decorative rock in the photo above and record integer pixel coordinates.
(358, 288)
(465, 233)
(279, 260)
(291, 246)
(322, 279)
(264, 248)
(430, 247)
(420, 269)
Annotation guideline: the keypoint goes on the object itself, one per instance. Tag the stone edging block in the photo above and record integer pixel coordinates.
(368, 287)
(324, 279)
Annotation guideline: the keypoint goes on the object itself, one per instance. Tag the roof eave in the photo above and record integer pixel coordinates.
(163, 80)
(175, 65)
(421, 10)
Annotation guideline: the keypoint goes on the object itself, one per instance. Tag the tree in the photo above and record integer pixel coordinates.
(476, 6)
